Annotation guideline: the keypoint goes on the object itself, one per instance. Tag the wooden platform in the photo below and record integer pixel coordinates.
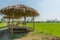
(22, 29)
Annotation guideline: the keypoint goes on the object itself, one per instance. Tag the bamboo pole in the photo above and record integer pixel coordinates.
(12, 22)
(24, 21)
(33, 22)
(24, 18)
(9, 22)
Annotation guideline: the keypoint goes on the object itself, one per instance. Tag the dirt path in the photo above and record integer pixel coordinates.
(30, 36)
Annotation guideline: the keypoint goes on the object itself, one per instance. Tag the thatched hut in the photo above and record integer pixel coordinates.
(18, 11)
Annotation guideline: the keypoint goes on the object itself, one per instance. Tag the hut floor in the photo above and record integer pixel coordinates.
(21, 29)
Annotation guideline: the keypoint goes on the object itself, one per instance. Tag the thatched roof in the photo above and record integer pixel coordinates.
(19, 10)
(10, 17)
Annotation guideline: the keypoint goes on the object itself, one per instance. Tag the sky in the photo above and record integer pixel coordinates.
(48, 9)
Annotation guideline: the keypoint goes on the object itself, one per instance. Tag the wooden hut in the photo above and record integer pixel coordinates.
(19, 11)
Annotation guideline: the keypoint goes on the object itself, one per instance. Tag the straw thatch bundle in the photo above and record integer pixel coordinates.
(10, 17)
(19, 11)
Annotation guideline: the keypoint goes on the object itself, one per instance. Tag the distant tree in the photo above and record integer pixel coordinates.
(0, 21)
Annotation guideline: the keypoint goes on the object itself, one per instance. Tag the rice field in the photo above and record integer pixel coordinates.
(50, 28)
(45, 28)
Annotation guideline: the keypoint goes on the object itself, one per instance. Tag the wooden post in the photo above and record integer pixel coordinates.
(12, 22)
(33, 22)
(9, 22)
(24, 21)
(24, 17)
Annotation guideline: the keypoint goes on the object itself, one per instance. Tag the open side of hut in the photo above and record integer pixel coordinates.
(17, 12)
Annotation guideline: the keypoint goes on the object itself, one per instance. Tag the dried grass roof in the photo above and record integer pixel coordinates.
(19, 10)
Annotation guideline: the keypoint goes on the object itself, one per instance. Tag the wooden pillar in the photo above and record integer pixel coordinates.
(33, 22)
(24, 17)
(12, 23)
(24, 21)
(8, 21)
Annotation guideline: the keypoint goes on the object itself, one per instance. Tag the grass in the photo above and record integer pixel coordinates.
(2, 25)
(47, 28)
